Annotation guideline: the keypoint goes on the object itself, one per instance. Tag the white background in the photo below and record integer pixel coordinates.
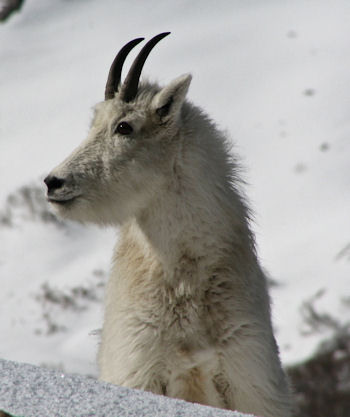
(274, 74)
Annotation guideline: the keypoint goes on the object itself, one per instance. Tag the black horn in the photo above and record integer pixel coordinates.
(115, 71)
(130, 86)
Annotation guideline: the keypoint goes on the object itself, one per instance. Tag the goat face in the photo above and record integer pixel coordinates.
(126, 159)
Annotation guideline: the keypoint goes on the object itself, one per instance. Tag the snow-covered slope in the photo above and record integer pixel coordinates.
(273, 73)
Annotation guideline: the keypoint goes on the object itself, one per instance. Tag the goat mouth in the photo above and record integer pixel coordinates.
(61, 202)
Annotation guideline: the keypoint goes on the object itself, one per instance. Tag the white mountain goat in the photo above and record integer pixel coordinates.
(187, 309)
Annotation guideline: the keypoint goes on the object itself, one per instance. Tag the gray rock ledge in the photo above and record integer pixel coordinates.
(31, 391)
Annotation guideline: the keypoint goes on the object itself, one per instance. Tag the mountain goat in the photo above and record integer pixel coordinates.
(187, 309)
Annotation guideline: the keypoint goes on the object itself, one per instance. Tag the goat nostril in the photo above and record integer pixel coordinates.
(53, 183)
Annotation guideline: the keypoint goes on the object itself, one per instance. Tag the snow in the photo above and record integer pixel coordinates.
(31, 391)
(274, 74)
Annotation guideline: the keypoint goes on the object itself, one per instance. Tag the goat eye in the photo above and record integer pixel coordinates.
(124, 128)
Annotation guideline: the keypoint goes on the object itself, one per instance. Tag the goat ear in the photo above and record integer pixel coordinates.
(167, 103)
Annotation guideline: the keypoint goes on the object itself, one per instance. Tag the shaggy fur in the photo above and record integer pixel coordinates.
(187, 309)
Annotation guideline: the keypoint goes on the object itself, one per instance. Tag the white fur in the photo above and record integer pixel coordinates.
(187, 309)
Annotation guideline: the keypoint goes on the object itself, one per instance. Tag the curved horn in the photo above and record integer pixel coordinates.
(115, 71)
(130, 86)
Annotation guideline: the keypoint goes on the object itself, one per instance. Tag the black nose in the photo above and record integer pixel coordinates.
(53, 183)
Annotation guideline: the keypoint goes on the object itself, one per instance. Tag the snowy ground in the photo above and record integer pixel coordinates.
(273, 73)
